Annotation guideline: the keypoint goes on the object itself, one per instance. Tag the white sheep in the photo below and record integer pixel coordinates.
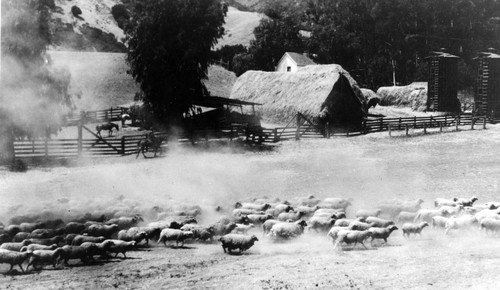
(366, 213)
(425, 215)
(235, 241)
(80, 239)
(382, 232)
(267, 225)
(16, 247)
(253, 206)
(320, 223)
(201, 233)
(258, 218)
(460, 223)
(294, 216)
(33, 247)
(467, 201)
(409, 228)
(359, 226)
(335, 203)
(353, 237)
(438, 202)
(178, 236)
(490, 225)
(41, 257)
(287, 230)
(14, 258)
(334, 232)
(127, 236)
(245, 211)
(378, 222)
(439, 222)
(487, 213)
(120, 246)
(452, 210)
(394, 207)
(243, 229)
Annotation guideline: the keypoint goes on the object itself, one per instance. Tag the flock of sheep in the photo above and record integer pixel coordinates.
(36, 241)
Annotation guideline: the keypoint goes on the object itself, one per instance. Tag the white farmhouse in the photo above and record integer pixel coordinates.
(290, 61)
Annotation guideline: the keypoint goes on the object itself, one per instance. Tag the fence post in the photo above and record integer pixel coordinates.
(80, 133)
(406, 129)
(484, 123)
(297, 133)
(364, 127)
(399, 124)
(276, 135)
(389, 129)
(446, 121)
(472, 123)
(440, 126)
(415, 122)
(425, 128)
(46, 146)
(457, 120)
(381, 124)
(231, 134)
(327, 130)
(430, 124)
(123, 145)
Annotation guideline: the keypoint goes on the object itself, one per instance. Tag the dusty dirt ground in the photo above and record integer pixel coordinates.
(367, 168)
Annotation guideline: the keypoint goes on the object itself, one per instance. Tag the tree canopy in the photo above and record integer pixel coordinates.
(170, 46)
(368, 37)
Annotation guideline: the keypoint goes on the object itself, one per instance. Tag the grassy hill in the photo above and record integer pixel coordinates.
(101, 80)
(239, 27)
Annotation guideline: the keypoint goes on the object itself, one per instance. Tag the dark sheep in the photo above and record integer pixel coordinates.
(75, 253)
(102, 230)
(236, 241)
(74, 228)
(97, 249)
(54, 240)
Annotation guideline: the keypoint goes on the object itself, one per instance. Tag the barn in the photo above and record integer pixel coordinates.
(442, 87)
(325, 93)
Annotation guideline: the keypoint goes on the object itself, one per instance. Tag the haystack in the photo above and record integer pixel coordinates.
(413, 96)
(321, 92)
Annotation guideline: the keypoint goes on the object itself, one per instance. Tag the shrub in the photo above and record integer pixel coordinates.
(18, 166)
(121, 15)
(76, 11)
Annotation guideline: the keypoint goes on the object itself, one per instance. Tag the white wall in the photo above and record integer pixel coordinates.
(286, 62)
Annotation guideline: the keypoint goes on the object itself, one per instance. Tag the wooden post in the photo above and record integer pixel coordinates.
(123, 145)
(327, 130)
(80, 133)
(364, 127)
(46, 146)
(389, 129)
(457, 120)
(472, 123)
(381, 124)
(231, 134)
(425, 128)
(399, 124)
(297, 133)
(415, 122)
(430, 124)
(276, 135)
(406, 129)
(445, 121)
(484, 123)
(440, 126)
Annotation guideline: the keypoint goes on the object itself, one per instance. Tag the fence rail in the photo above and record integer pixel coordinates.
(109, 115)
(299, 127)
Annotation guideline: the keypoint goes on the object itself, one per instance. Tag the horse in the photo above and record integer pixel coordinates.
(150, 142)
(108, 126)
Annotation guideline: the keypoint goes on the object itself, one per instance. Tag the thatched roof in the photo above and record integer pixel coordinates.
(413, 96)
(311, 90)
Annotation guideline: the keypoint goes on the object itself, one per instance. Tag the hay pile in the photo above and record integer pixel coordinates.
(310, 91)
(413, 96)
(369, 94)
(220, 81)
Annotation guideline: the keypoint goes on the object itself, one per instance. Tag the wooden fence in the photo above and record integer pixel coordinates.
(299, 127)
(109, 115)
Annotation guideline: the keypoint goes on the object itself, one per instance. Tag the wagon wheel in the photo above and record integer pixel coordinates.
(149, 152)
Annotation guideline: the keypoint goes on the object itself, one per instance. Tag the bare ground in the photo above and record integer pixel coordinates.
(367, 168)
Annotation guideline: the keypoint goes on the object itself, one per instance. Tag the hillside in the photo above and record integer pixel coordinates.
(239, 27)
(99, 80)
(96, 29)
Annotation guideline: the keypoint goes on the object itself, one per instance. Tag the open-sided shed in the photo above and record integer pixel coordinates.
(326, 93)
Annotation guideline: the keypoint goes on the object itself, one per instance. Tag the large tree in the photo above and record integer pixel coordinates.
(34, 95)
(170, 44)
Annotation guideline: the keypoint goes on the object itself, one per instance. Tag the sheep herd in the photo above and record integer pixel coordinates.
(34, 241)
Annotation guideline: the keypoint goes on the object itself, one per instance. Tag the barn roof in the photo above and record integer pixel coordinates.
(306, 91)
(299, 59)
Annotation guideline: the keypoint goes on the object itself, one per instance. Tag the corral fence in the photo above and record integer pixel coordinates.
(108, 115)
(299, 127)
